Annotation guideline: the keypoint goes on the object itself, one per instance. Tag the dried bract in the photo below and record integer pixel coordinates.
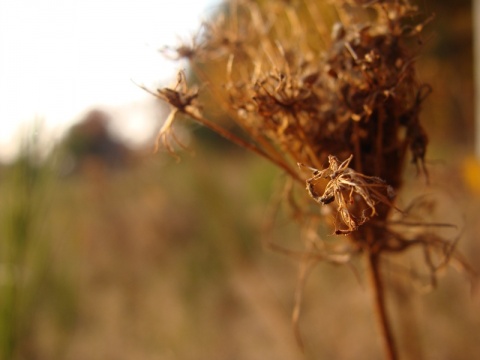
(180, 97)
(348, 187)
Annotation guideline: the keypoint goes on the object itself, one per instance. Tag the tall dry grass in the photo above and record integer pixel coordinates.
(150, 263)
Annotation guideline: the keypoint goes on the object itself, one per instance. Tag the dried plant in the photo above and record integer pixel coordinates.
(344, 180)
(302, 94)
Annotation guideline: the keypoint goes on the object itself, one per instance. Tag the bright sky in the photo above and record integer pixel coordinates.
(58, 58)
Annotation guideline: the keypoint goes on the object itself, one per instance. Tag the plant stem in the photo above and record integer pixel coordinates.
(243, 143)
(380, 307)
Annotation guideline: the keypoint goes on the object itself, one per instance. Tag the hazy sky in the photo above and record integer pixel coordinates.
(61, 57)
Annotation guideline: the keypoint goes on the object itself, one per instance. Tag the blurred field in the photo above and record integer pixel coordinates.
(164, 260)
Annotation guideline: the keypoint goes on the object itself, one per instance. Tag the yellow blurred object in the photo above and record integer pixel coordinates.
(471, 174)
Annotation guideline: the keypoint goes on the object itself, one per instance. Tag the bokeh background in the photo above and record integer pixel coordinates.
(108, 251)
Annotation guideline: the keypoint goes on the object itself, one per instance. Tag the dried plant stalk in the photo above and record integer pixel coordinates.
(299, 95)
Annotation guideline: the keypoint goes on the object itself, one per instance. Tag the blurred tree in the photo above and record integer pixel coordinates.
(90, 145)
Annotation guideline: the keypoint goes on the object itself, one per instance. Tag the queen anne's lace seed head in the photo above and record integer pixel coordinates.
(340, 97)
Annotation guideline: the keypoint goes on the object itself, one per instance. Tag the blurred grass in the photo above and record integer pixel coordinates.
(164, 260)
(33, 285)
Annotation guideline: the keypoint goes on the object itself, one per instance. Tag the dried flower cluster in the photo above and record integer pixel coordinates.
(331, 87)
(304, 94)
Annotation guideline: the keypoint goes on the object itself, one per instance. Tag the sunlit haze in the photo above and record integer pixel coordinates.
(60, 58)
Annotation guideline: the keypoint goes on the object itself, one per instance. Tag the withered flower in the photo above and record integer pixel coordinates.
(347, 187)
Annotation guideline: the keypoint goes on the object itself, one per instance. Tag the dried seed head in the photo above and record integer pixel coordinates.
(301, 89)
(299, 102)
